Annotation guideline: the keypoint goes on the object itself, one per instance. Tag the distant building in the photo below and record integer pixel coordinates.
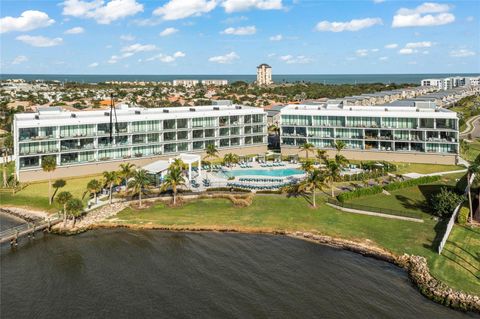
(264, 74)
(451, 82)
(187, 83)
(215, 82)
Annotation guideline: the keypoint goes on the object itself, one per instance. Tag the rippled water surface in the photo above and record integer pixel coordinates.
(138, 274)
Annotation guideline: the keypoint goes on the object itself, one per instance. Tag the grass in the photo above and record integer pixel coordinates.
(294, 214)
(403, 168)
(35, 195)
(412, 200)
(473, 151)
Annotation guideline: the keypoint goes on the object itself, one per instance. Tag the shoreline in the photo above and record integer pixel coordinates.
(416, 267)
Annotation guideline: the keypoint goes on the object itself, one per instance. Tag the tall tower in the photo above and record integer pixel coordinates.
(264, 74)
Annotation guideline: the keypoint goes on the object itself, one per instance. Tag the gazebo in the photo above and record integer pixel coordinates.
(189, 159)
(158, 169)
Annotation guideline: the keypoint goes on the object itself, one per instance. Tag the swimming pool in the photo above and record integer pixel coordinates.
(283, 172)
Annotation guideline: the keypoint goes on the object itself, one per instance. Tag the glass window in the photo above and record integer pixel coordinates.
(182, 135)
(139, 139)
(152, 138)
(169, 136)
(182, 147)
(197, 134)
(28, 133)
(26, 162)
(224, 142)
(198, 145)
(170, 148)
(86, 130)
(68, 131)
(210, 133)
(182, 123)
(169, 124)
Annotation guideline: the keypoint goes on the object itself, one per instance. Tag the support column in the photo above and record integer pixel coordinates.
(200, 168)
(189, 171)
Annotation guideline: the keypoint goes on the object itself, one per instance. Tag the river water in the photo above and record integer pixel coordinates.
(120, 273)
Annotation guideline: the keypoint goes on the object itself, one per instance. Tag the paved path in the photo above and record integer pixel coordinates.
(365, 212)
(471, 124)
(418, 175)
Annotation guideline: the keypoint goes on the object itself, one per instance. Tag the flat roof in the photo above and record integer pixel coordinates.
(130, 114)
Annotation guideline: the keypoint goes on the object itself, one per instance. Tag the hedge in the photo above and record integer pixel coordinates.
(228, 189)
(411, 182)
(462, 217)
(360, 192)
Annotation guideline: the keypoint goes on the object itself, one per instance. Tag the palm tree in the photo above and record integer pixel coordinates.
(307, 166)
(177, 163)
(110, 179)
(173, 180)
(74, 208)
(464, 147)
(62, 199)
(230, 158)
(139, 183)
(307, 148)
(93, 187)
(339, 146)
(211, 151)
(315, 180)
(474, 168)
(49, 164)
(7, 147)
(322, 155)
(126, 172)
(341, 160)
(332, 173)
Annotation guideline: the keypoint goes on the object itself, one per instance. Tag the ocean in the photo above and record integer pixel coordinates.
(277, 78)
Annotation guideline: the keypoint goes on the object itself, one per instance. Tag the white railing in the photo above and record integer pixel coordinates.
(451, 222)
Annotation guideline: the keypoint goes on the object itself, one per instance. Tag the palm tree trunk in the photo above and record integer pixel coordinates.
(470, 198)
(4, 170)
(74, 221)
(331, 187)
(140, 199)
(64, 216)
(95, 197)
(50, 190)
(314, 204)
(110, 195)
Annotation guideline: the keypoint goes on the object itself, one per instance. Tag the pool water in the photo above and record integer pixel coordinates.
(283, 172)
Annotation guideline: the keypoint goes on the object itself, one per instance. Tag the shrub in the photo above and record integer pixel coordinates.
(228, 189)
(359, 193)
(445, 202)
(411, 182)
(462, 217)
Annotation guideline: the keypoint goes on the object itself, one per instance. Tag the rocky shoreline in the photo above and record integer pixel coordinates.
(416, 266)
(26, 215)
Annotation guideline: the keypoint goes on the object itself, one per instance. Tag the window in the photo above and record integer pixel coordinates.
(68, 131)
(153, 138)
(170, 148)
(223, 120)
(139, 139)
(234, 141)
(169, 136)
(247, 119)
(224, 131)
(26, 162)
(69, 158)
(182, 135)
(103, 128)
(169, 124)
(203, 122)
(29, 148)
(210, 133)
(182, 123)
(198, 145)
(224, 142)
(258, 139)
(182, 147)
(47, 132)
(28, 133)
(86, 130)
(197, 134)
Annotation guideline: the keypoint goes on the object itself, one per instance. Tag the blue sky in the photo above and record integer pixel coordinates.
(233, 36)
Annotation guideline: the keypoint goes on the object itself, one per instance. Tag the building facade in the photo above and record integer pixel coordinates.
(418, 133)
(451, 82)
(264, 74)
(186, 83)
(82, 144)
(215, 82)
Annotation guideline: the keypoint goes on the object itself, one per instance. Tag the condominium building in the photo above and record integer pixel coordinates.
(451, 82)
(264, 74)
(420, 132)
(82, 144)
(215, 82)
(187, 83)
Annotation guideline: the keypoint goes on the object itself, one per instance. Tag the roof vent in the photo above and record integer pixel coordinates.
(216, 108)
(137, 112)
(417, 110)
(106, 113)
(192, 109)
(386, 109)
(166, 111)
(73, 115)
(37, 117)
(350, 109)
(238, 107)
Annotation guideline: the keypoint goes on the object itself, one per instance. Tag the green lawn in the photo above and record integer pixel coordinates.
(281, 213)
(403, 168)
(473, 151)
(35, 195)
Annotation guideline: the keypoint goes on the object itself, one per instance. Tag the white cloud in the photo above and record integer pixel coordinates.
(19, 59)
(277, 37)
(406, 51)
(240, 30)
(383, 58)
(27, 21)
(127, 37)
(378, 1)
(39, 41)
(423, 44)
(93, 65)
(353, 25)
(242, 5)
(391, 46)
(224, 59)
(426, 14)
(461, 53)
(233, 20)
(299, 59)
(103, 13)
(180, 9)
(167, 58)
(361, 52)
(168, 31)
(137, 47)
(374, 50)
(75, 30)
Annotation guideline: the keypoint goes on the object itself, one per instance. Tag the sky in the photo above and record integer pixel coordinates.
(234, 36)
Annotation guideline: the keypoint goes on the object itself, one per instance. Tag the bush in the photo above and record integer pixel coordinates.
(228, 189)
(411, 182)
(445, 202)
(462, 217)
(359, 193)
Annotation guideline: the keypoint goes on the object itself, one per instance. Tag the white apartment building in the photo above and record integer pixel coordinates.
(185, 82)
(418, 133)
(451, 82)
(82, 143)
(215, 82)
(264, 74)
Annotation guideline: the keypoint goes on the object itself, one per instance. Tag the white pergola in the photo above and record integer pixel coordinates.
(189, 159)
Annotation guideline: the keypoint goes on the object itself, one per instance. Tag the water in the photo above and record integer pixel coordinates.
(278, 78)
(283, 172)
(7, 221)
(154, 274)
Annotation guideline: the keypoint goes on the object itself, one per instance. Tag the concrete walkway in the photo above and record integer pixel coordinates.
(418, 175)
(365, 212)
(470, 125)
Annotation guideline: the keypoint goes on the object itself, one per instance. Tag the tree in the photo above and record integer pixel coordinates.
(230, 158)
(341, 160)
(307, 166)
(307, 148)
(49, 164)
(139, 183)
(211, 151)
(110, 179)
(332, 173)
(474, 168)
(322, 155)
(7, 150)
(93, 187)
(444, 202)
(74, 208)
(173, 180)
(126, 172)
(315, 180)
(59, 183)
(339, 146)
(464, 147)
(177, 163)
(62, 199)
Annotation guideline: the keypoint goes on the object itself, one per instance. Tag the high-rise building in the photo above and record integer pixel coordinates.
(264, 74)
